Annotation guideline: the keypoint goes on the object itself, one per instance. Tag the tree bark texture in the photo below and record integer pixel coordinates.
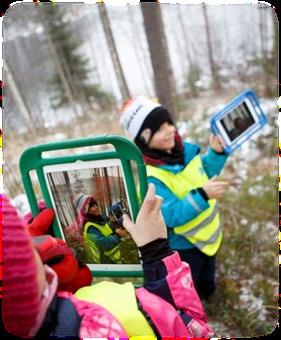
(22, 107)
(213, 67)
(124, 89)
(164, 82)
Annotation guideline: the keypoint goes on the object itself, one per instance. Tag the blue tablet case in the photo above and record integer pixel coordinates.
(259, 123)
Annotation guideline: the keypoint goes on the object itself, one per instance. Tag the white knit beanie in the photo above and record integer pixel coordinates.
(134, 112)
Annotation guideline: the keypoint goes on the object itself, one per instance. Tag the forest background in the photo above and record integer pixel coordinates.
(68, 67)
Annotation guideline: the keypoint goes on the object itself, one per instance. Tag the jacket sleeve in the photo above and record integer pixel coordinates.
(104, 243)
(176, 211)
(171, 280)
(213, 162)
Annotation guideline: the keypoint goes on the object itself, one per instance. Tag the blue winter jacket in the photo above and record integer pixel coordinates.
(179, 211)
(104, 243)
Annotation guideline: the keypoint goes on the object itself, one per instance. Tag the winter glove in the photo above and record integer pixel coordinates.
(40, 224)
(54, 252)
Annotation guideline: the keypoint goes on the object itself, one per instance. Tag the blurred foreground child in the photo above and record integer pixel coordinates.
(167, 305)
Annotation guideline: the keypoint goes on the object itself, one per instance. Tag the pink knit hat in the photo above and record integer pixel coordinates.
(82, 203)
(21, 297)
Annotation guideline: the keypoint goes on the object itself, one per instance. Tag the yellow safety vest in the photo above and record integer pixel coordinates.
(114, 253)
(204, 231)
(120, 300)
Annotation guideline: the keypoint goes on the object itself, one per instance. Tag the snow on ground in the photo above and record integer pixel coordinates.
(252, 303)
(254, 227)
(221, 330)
(21, 203)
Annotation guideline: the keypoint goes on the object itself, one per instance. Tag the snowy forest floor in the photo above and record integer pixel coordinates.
(246, 301)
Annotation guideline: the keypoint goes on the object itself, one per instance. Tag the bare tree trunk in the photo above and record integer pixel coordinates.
(70, 193)
(136, 42)
(92, 46)
(179, 49)
(164, 83)
(275, 30)
(113, 52)
(107, 187)
(268, 60)
(213, 67)
(274, 52)
(108, 76)
(143, 61)
(262, 29)
(23, 109)
(185, 35)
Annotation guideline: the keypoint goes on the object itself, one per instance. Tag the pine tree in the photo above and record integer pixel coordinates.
(73, 77)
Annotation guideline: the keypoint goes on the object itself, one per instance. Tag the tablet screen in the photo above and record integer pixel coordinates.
(84, 195)
(237, 121)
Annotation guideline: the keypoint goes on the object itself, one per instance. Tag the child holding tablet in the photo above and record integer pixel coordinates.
(187, 183)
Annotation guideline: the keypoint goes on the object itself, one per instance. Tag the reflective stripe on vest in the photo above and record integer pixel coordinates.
(204, 231)
(120, 300)
(106, 231)
(92, 247)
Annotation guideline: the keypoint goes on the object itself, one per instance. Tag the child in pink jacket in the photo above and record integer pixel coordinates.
(167, 305)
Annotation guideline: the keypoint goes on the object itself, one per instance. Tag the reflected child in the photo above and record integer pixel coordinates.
(102, 241)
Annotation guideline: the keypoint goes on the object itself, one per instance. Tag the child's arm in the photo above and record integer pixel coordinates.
(165, 275)
(215, 159)
(169, 286)
(179, 211)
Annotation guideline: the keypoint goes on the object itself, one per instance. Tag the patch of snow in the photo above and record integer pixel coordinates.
(267, 130)
(256, 190)
(268, 105)
(252, 303)
(279, 102)
(242, 172)
(244, 221)
(21, 204)
(183, 127)
(254, 227)
(59, 135)
(248, 151)
(232, 189)
(271, 227)
(39, 30)
(220, 330)
(215, 109)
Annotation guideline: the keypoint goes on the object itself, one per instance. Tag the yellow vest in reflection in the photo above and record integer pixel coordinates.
(114, 253)
(204, 231)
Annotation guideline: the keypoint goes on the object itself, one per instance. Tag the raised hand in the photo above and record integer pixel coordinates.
(216, 143)
(215, 188)
(149, 224)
